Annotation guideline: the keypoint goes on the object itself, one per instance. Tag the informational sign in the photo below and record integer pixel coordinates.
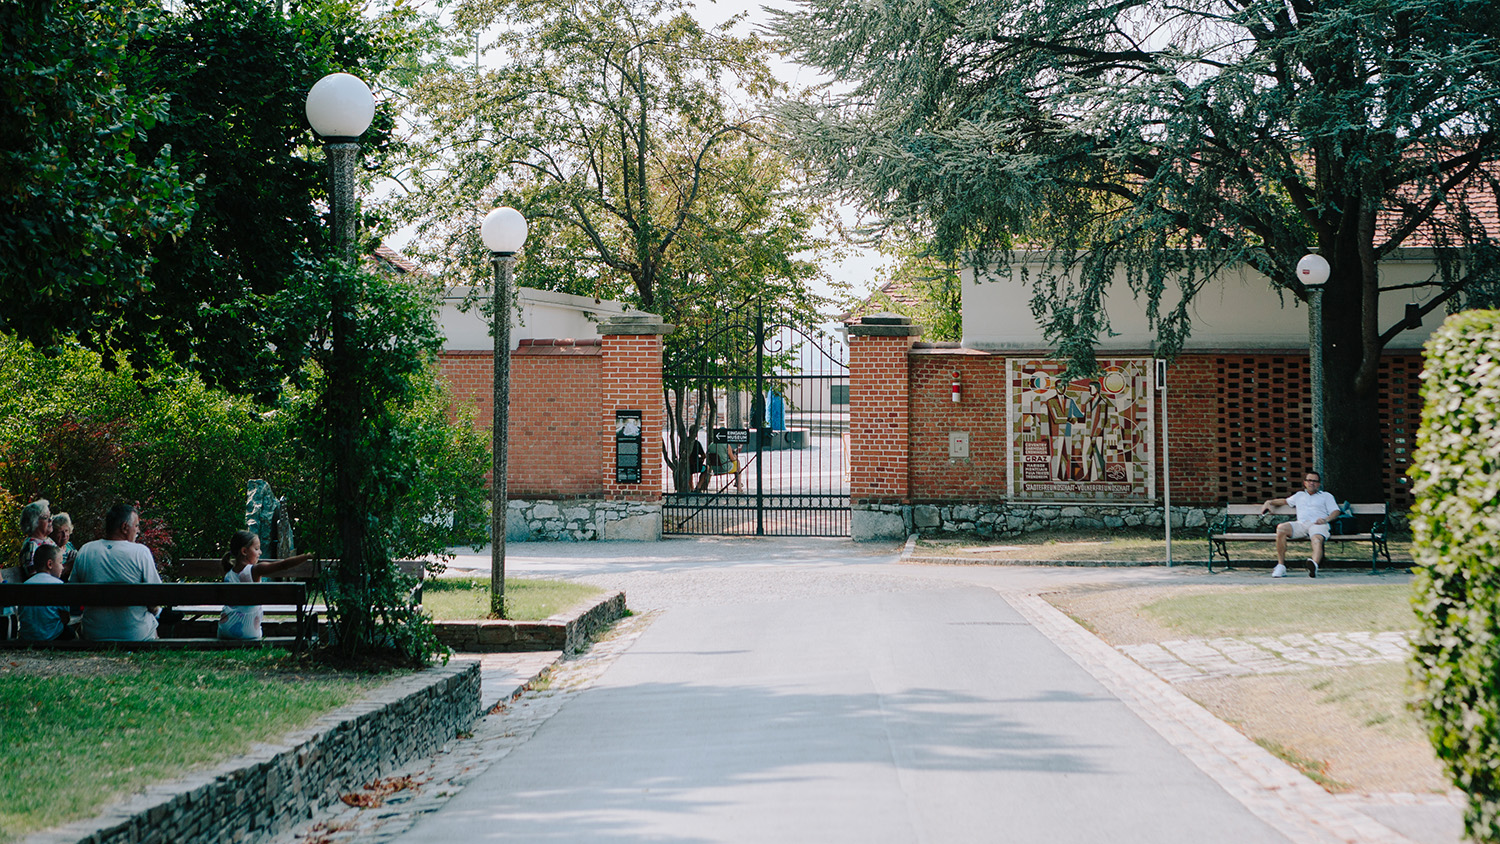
(732, 436)
(1087, 439)
(627, 446)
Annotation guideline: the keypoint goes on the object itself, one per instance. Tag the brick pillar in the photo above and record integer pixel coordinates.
(879, 425)
(631, 380)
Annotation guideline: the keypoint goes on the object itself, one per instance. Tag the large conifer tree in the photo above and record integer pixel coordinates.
(1172, 141)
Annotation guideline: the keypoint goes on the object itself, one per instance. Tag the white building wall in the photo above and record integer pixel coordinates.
(542, 315)
(1239, 310)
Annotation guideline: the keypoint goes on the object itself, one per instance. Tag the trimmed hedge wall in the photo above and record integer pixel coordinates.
(1456, 533)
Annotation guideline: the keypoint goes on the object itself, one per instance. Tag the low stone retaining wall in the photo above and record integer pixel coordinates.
(567, 632)
(581, 520)
(257, 797)
(894, 521)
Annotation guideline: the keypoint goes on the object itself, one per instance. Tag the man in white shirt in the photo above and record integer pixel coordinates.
(117, 558)
(1316, 510)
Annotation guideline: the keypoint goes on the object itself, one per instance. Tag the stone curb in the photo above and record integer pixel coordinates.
(981, 561)
(567, 631)
(279, 785)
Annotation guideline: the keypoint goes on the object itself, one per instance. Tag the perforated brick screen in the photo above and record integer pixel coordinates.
(1265, 429)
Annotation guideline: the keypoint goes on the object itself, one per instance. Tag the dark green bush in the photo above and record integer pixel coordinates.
(1456, 533)
(84, 435)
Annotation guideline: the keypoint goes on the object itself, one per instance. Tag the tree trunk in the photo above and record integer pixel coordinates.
(1355, 451)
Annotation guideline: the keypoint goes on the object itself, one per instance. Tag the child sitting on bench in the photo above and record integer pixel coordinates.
(243, 565)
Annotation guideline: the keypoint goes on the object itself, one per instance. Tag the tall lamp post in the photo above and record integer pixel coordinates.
(340, 108)
(1313, 271)
(503, 232)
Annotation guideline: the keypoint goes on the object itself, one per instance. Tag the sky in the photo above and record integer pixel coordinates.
(862, 268)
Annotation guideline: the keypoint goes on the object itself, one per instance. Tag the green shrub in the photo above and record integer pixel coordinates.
(1456, 539)
(84, 433)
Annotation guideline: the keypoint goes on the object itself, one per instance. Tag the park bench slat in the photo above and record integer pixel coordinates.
(150, 594)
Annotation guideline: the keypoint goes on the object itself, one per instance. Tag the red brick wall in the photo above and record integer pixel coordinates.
(631, 380)
(1194, 409)
(1239, 425)
(980, 411)
(555, 448)
(878, 408)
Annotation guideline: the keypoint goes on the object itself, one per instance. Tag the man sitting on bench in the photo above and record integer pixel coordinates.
(1316, 510)
(117, 558)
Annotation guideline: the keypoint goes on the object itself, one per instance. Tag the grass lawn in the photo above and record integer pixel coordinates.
(1256, 611)
(1133, 545)
(80, 731)
(468, 598)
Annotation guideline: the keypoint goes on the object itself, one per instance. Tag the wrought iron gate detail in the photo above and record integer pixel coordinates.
(768, 407)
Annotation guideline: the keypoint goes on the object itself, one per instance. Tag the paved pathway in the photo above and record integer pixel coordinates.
(817, 691)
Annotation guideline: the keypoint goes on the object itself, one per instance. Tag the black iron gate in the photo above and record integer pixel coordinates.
(757, 432)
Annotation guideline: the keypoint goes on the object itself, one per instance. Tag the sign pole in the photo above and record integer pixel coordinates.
(1166, 457)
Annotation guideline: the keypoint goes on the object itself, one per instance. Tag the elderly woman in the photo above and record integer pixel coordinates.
(62, 537)
(36, 526)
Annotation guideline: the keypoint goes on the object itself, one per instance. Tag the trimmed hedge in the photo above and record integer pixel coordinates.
(1456, 533)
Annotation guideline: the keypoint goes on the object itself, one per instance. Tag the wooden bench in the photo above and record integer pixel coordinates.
(211, 570)
(293, 594)
(1222, 532)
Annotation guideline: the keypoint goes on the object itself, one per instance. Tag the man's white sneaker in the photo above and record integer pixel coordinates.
(1312, 568)
(1279, 571)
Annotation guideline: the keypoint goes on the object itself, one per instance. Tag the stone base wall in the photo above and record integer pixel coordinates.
(565, 632)
(261, 796)
(582, 520)
(1013, 519)
(896, 521)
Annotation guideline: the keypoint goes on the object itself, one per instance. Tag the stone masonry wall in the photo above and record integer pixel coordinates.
(255, 798)
(1000, 519)
(578, 520)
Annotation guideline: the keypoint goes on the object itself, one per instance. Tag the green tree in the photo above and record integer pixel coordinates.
(237, 75)
(162, 185)
(1169, 142)
(615, 128)
(81, 204)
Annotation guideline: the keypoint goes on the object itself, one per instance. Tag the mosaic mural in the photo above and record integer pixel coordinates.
(1081, 440)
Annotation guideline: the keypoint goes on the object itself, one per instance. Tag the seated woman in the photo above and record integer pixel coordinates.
(243, 565)
(62, 537)
(43, 624)
(36, 525)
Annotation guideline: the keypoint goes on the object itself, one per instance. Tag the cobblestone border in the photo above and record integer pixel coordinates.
(278, 786)
(1286, 800)
(566, 632)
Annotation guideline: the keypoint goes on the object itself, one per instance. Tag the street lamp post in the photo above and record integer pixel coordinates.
(503, 232)
(1313, 271)
(340, 108)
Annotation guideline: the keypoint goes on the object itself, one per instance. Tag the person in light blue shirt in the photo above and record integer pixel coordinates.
(43, 624)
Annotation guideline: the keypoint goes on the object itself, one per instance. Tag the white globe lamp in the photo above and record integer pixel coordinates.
(504, 231)
(340, 106)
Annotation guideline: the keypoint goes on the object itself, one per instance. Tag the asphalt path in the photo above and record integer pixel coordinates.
(817, 691)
